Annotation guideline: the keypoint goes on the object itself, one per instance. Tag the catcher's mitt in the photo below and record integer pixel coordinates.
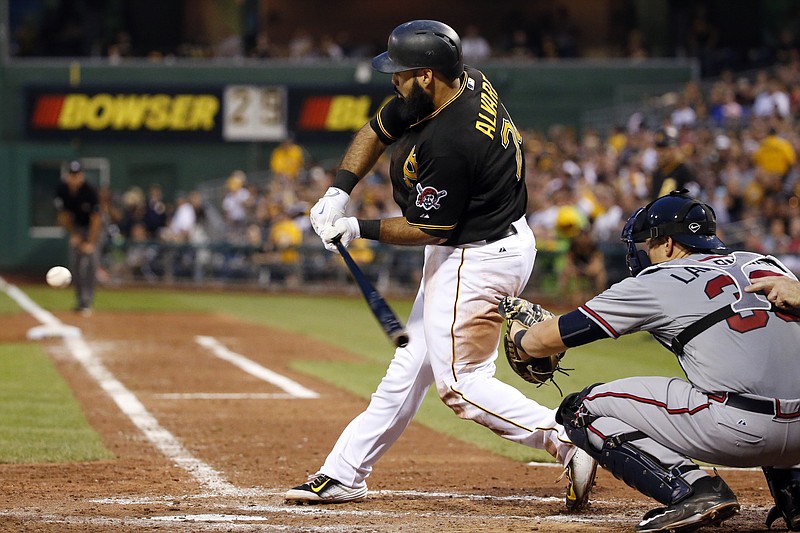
(536, 370)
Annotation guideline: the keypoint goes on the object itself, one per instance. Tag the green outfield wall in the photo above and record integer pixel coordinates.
(188, 122)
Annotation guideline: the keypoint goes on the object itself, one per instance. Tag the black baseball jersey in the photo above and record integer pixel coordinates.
(671, 177)
(459, 173)
(81, 205)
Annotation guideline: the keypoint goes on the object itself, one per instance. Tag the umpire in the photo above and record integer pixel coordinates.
(739, 404)
(78, 209)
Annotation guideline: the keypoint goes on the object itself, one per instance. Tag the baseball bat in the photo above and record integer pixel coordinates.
(389, 322)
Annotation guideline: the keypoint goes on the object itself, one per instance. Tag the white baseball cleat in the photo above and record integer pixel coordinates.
(580, 471)
(323, 489)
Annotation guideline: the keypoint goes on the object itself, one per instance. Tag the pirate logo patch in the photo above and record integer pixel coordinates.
(428, 197)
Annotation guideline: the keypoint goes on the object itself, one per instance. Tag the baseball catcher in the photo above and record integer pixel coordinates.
(520, 315)
(687, 290)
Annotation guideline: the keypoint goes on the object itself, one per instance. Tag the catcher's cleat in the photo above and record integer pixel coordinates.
(580, 471)
(323, 489)
(711, 503)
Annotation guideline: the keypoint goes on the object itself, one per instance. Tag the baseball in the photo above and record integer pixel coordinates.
(59, 277)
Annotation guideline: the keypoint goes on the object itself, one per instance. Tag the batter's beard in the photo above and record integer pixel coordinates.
(417, 105)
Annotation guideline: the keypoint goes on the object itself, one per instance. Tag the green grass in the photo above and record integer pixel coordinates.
(345, 322)
(40, 421)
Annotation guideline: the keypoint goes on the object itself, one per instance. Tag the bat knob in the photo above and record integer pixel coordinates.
(400, 339)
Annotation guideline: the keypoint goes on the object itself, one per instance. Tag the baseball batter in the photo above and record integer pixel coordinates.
(739, 405)
(457, 171)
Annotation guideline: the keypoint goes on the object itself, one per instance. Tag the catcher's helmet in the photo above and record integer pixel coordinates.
(422, 44)
(677, 215)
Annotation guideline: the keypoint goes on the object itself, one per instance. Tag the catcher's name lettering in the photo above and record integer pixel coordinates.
(694, 272)
(487, 123)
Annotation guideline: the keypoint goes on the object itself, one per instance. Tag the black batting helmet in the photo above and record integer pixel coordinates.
(422, 44)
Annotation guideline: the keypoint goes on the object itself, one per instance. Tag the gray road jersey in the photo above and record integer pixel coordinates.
(755, 351)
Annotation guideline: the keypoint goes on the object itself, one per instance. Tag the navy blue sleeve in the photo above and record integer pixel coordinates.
(576, 329)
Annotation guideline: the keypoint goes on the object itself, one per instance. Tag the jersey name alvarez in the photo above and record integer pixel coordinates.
(457, 172)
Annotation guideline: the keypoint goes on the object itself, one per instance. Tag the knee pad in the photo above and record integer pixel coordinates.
(571, 405)
(573, 417)
(784, 485)
(627, 463)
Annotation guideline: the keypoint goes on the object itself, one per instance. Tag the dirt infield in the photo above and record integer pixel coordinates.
(204, 443)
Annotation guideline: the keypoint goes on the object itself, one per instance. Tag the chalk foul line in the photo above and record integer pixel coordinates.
(254, 369)
(128, 403)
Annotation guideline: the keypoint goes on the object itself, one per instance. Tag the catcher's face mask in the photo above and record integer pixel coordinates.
(636, 259)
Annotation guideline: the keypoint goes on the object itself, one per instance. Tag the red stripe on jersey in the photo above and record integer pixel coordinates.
(648, 401)
(600, 320)
(710, 257)
(763, 274)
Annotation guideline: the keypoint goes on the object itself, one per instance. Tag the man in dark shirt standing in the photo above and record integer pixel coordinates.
(672, 172)
(79, 213)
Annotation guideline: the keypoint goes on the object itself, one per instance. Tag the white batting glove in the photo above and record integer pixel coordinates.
(345, 229)
(328, 209)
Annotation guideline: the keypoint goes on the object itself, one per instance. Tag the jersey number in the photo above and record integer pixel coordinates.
(739, 322)
(510, 135)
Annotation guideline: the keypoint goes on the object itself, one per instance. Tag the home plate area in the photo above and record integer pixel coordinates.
(209, 425)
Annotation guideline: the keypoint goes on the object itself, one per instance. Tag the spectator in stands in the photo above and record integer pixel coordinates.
(287, 159)
(777, 241)
(684, 115)
(635, 48)
(794, 235)
(474, 46)
(730, 112)
(671, 172)
(133, 210)
(283, 242)
(329, 48)
(302, 45)
(702, 39)
(519, 45)
(772, 101)
(584, 271)
(187, 224)
(140, 254)
(607, 225)
(237, 200)
(155, 215)
(775, 155)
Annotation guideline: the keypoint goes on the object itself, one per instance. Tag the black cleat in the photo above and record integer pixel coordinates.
(711, 503)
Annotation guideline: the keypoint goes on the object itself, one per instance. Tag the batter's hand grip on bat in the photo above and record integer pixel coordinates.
(388, 320)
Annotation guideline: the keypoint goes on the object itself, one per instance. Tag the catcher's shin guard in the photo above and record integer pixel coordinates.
(784, 485)
(636, 468)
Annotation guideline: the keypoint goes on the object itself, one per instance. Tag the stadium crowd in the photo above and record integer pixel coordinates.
(736, 140)
(224, 29)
